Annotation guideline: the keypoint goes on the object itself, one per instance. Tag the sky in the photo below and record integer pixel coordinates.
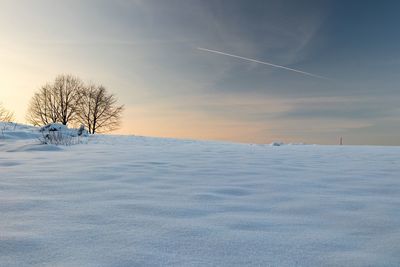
(146, 52)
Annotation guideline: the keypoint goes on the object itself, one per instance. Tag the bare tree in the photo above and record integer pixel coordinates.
(98, 110)
(66, 89)
(6, 115)
(43, 107)
(55, 102)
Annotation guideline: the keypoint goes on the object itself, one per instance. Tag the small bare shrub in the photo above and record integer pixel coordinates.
(6, 115)
(7, 126)
(58, 138)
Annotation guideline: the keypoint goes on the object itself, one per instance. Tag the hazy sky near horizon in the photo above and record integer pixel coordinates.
(145, 51)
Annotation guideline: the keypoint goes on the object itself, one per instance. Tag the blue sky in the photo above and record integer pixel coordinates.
(145, 52)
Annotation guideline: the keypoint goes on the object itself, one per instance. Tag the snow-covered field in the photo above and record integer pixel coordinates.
(137, 201)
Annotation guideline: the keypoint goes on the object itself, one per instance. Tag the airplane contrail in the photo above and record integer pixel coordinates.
(262, 62)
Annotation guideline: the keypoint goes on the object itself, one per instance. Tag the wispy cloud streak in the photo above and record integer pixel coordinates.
(263, 62)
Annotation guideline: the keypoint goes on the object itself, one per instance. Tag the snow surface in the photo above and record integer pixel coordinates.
(138, 201)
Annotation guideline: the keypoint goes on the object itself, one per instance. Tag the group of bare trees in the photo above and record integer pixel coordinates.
(70, 101)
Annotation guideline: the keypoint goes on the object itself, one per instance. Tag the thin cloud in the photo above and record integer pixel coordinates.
(263, 62)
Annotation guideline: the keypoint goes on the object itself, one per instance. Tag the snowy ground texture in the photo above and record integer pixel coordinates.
(136, 201)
